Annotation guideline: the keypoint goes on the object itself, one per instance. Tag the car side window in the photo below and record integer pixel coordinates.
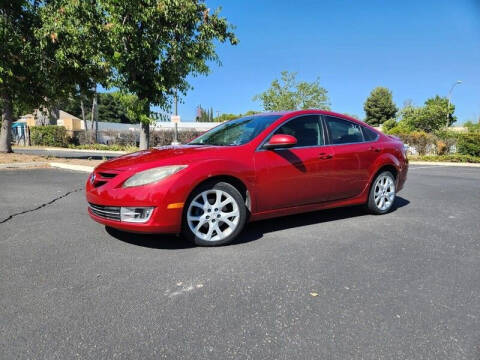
(306, 129)
(369, 135)
(343, 131)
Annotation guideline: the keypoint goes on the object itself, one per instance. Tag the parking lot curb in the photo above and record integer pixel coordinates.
(51, 149)
(444, 163)
(23, 165)
(83, 168)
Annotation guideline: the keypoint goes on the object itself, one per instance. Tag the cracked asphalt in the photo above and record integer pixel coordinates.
(335, 284)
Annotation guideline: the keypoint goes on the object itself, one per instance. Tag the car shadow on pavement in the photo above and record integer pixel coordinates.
(253, 231)
(256, 230)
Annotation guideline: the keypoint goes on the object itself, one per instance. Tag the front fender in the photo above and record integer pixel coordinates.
(198, 172)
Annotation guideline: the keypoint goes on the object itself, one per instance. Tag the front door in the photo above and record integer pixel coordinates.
(295, 176)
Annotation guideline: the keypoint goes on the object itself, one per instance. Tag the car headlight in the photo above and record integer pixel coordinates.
(152, 175)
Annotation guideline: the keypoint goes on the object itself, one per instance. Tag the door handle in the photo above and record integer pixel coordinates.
(325, 156)
(371, 148)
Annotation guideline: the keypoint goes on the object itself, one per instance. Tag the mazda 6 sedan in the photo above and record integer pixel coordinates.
(252, 168)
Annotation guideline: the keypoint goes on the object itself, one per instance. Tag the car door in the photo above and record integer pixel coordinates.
(353, 157)
(298, 175)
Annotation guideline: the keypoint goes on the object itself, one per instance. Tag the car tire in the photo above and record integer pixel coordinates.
(217, 222)
(382, 193)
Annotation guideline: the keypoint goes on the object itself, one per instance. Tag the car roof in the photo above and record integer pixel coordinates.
(308, 111)
(292, 113)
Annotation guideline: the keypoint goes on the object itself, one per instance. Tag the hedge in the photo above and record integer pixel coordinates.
(469, 144)
(49, 135)
(449, 158)
(442, 142)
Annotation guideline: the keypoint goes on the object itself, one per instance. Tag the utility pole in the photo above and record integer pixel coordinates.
(458, 82)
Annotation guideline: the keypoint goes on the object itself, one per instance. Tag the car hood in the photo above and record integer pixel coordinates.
(167, 155)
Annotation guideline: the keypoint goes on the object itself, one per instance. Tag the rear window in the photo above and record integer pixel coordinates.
(369, 135)
(343, 131)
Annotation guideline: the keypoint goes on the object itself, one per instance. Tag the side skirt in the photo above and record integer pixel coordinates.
(362, 199)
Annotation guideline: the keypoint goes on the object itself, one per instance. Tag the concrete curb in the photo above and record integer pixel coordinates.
(83, 168)
(23, 165)
(70, 150)
(443, 163)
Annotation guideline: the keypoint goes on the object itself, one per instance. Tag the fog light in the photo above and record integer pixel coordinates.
(135, 214)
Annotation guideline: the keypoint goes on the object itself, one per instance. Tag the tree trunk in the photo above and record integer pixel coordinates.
(145, 130)
(94, 116)
(40, 116)
(54, 115)
(144, 136)
(6, 132)
(85, 125)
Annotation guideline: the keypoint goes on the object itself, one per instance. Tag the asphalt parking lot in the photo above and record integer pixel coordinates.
(336, 284)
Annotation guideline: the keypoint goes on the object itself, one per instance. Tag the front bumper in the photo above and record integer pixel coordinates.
(160, 222)
(108, 192)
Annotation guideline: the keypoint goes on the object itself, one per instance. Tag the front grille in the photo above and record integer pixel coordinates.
(106, 212)
(107, 175)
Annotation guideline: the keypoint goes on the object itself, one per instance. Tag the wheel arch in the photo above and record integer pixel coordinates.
(230, 179)
(386, 167)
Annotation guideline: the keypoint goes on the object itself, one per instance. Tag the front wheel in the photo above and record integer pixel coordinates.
(382, 193)
(215, 214)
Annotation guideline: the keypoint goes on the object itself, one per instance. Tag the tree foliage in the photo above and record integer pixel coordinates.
(53, 50)
(379, 106)
(21, 81)
(472, 127)
(110, 108)
(227, 117)
(204, 115)
(290, 94)
(430, 117)
(135, 107)
(155, 45)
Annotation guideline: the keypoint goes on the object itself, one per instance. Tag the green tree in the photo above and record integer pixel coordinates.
(388, 125)
(290, 94)
(135, 107)
(227, 117)
(430, 117)
(156, 45)
(21, 78)
(110, 108)
(379, 106)
(472, 127)
(437, 107)
(74, 41)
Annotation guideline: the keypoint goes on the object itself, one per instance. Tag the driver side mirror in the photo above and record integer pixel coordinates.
(280, 141)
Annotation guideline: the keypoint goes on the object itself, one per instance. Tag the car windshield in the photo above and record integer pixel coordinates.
(236, 132)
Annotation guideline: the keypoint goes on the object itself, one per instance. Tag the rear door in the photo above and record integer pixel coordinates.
(295, 176)
(353, 156)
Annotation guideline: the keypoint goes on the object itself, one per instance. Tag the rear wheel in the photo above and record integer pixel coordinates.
(382, 194)
(215, 214)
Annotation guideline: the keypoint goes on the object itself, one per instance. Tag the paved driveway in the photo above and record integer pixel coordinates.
(401, 286)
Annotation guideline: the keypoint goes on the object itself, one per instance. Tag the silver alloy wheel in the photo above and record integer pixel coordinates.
(384, 192)
(213, 215)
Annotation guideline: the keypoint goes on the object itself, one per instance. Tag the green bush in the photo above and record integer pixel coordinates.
(389, 125)
(420, 140)
(49, 135)
(469, 144)
(113, 147)
(449, 158)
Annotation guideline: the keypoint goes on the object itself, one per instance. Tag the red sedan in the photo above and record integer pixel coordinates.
(247, 169)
